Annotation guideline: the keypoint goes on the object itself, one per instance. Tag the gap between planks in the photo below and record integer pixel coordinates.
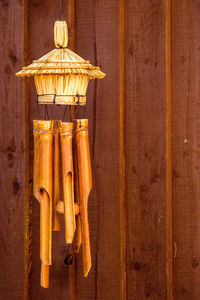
(28, 187)
(169, 203)
(122, 153)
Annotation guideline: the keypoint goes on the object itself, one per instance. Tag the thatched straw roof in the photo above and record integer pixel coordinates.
(61, 60)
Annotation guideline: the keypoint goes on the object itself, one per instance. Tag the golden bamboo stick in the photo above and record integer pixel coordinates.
(68, 178)
(85, 186)
(77, 237)
(36, 169)
(56, 189)
(45, 227)
(44, 281)
(46, 145)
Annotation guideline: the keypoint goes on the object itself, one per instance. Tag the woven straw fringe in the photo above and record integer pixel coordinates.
(61, 87)
(61, 61)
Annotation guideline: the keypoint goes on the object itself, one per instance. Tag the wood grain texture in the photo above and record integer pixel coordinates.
(169, 160)
(14, 242)
(137, 133)
(97, 39)
(122, 157)
(145, 94)
(42, 15)
(186, 136)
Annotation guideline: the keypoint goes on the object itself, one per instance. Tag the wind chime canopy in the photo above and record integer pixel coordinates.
(61, 76)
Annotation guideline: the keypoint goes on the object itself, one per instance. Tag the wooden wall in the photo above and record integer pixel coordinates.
(186, 146)
(144, 122)
(13, 153)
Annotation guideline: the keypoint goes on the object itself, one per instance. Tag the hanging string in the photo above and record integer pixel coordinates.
(70, 113)
(38, 112)
(85, 108)
(60, 11)
(64, 113)
(46, 112)
(76, 112)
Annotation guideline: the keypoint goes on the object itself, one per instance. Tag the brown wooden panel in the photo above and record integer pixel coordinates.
(12, 151)
(42, 15)
(169, 177)
(145, 119)
(97, 39)
(186, 137)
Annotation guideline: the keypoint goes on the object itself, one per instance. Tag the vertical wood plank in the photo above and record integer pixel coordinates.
(71, 26)
(122, 195)
(98, 39)
(14, 245)
(145, 94)
(186, 146)
(85, 46)
(42, 15)
(169, 200)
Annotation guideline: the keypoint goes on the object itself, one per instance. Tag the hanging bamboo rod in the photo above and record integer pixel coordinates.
(68, 179)
(85, 186)
(46, 148)
(56, 177)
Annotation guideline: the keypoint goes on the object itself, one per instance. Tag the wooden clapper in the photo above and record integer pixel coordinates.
(61, 149)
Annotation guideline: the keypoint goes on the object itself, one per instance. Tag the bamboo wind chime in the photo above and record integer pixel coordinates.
(61, 78)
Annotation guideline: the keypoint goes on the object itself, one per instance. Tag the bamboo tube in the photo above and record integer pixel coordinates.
(68, 178)
(77, 237)
(85, 186)
(56, 190)
(36, 169)
(46, 143)
(44, 276)
(45, 226)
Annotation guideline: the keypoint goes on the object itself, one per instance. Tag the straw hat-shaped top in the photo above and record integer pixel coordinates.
(61, 60)
(68, 73)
